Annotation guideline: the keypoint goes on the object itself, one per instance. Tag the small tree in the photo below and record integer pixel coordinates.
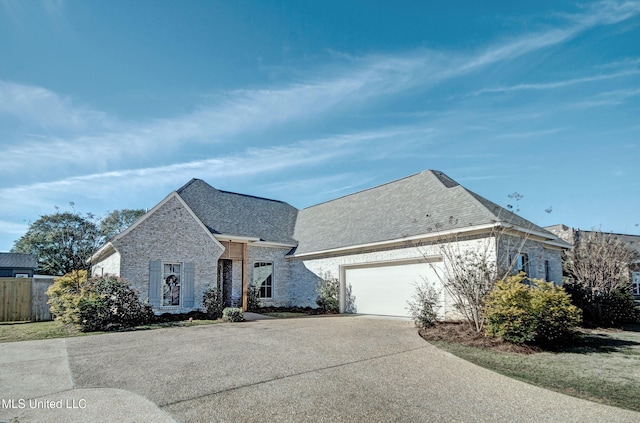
(328, 290)
(425, 305)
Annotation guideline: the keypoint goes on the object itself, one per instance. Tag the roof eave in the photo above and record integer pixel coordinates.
(443, 235)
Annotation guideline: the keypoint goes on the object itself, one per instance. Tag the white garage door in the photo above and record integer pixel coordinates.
(385, 289)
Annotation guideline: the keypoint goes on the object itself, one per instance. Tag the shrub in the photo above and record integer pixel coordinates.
(604, 309)
(425, 305)
(328, 290)
(213, 303)
(508, 311)
(253, 297)
(232, 314)
(101, 303)
(537, 312)
(63, 295)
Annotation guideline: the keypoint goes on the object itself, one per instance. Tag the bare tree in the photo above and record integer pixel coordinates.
(471, 267)
(599, 262)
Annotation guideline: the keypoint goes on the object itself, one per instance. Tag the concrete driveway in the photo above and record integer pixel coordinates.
(340, 368)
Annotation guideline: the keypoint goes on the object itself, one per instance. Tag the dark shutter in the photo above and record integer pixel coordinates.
(155, 282)
(187, 284)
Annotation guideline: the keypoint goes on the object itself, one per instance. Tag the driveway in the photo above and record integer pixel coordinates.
(339, 368)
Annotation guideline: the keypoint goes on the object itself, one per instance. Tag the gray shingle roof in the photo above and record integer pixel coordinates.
(18, 260)
(229, 213)
(426, 202)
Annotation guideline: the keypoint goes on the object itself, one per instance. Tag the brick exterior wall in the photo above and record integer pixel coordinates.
(172, 235)
(293, 284)
(537, 253)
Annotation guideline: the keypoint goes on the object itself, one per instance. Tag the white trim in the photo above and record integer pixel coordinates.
(272, 244)
(103, 253)
(255, 241)
(421, 237)
(236, 238)
(547, 240)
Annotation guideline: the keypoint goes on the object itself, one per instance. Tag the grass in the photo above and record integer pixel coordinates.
(30, 331)
(604, 367)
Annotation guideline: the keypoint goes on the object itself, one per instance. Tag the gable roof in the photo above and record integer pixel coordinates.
(427, 202)
(18, 260)
(240, 215)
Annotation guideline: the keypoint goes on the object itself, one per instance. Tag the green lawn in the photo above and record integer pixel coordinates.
(28, 331)
(604, 368)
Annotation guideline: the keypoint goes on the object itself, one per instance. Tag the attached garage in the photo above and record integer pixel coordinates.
(385, 288)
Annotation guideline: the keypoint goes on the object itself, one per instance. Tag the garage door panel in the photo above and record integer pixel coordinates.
(385, 290)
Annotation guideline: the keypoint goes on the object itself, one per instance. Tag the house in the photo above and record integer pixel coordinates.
(571, 235)
(378, 242)
(15, 265)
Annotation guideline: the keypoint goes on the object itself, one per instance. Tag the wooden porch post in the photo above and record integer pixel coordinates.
(244, 276)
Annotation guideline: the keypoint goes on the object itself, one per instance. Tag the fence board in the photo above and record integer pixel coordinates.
(15, 299)
(39, 307)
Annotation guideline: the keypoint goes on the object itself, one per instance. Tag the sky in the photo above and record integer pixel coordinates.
(114, 104)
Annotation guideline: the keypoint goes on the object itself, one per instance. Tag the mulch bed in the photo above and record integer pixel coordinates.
(305, 310)
(461, 333)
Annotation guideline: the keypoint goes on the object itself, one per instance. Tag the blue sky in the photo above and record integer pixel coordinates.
(114, 104)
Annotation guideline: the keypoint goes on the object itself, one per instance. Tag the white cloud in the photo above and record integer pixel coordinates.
(555, 84)
(101, 141)
(39, 107)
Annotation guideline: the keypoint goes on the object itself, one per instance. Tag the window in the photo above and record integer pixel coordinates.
(263, 278)
(22, 275)
(521, 263)
(635, 283)
(172, 278)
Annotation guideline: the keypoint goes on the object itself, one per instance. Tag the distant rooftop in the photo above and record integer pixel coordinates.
(18, 260)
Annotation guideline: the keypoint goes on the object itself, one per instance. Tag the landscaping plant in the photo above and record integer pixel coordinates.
(213, 303)
(425, 305)
(97, 304)
(232, 314)
(328, 290)
(598, 278)
(522, 310)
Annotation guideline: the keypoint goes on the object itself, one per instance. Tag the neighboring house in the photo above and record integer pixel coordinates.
(14, 265)
(570, 235)
(378, 242)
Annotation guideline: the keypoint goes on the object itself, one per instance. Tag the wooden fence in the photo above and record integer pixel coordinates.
(24, 299)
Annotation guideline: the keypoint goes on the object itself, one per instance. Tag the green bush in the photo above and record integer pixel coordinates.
(605, 310)
(213, 303)
(232, 314)
(101, 303)
(253, 297)
(328, 290)
(537, 312)
(63, 295)
(425, 305)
